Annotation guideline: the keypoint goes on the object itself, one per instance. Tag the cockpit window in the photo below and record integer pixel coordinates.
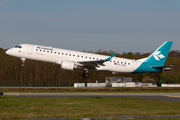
(17, 46)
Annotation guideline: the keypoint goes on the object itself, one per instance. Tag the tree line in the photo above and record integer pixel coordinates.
(36, 73)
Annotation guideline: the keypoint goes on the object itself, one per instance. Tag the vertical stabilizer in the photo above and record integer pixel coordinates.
(159, 56)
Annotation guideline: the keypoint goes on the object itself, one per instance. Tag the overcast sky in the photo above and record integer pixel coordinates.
(118, 25)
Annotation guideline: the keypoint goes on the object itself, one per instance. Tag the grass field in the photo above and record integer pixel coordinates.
(40, 107)
(94, 90)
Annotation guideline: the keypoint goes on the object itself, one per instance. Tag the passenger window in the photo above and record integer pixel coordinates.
(36, 49)
(19, 46)
(128, 63)
(89, 57)
(58, 52)
(69, 54)
(62, 53)
(82, 56)
(55, 52)
(78, 56)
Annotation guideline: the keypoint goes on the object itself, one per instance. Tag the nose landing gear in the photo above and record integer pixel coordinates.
(23, 61)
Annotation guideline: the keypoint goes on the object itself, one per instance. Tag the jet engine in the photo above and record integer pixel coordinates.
(68, 65)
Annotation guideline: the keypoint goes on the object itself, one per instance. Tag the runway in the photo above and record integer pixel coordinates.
(153, 96)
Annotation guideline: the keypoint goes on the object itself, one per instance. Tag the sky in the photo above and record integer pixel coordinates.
(84, 25)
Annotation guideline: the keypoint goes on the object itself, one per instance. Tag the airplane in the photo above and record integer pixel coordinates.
(71, 60)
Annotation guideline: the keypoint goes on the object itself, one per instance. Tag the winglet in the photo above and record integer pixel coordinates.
(109, 58)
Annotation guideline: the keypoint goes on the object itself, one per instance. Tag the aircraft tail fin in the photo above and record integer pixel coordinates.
(159, 56)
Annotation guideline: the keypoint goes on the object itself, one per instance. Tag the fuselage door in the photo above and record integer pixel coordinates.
(30, 49)
(134, 64)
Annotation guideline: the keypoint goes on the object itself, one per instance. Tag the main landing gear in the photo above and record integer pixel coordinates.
(85, 74)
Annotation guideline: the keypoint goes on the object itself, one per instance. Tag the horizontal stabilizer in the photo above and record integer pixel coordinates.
(163, 68)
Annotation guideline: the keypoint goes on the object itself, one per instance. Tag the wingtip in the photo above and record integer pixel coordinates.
(109, 58)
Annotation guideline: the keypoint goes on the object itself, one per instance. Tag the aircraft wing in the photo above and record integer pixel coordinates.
(96, 63)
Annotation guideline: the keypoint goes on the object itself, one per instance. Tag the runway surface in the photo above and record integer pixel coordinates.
(152, 96)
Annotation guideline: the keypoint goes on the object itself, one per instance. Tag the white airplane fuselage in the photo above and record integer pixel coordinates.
(55, 55)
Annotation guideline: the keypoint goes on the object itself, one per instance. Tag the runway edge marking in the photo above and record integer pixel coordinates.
(171, 96)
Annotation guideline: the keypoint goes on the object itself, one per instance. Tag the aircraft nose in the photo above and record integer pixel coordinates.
(8, 51)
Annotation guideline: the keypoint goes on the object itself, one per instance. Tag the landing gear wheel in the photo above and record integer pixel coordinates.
(86, 75)
(23, 61)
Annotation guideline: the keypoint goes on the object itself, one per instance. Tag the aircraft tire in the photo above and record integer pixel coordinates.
(86, 75)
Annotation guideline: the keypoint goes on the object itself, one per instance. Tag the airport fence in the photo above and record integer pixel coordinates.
(37, 84)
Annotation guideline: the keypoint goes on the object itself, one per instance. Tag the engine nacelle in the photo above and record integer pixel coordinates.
(68, 65)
